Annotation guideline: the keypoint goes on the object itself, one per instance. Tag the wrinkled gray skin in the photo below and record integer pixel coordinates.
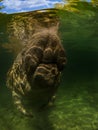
(35, 74)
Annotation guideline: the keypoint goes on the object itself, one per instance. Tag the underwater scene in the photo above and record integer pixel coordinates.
(71, 31)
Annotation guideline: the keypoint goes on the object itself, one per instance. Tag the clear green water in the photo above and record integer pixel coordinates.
(76, 105)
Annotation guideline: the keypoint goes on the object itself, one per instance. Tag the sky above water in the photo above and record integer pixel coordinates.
(13, 6)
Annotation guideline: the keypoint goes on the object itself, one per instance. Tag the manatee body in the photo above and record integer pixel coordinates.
(35, 74)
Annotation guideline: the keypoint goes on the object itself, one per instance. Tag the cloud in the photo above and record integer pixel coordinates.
(20, 5)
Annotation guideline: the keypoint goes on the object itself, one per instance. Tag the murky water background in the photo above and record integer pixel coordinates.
(76, 106)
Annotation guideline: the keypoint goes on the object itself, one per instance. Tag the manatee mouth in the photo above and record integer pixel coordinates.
(45, 75)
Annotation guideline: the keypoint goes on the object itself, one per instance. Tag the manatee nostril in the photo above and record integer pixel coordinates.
(35, 51)
(48, 55)
(62, 53)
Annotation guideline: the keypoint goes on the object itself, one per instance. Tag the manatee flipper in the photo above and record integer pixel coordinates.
(18, 103)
